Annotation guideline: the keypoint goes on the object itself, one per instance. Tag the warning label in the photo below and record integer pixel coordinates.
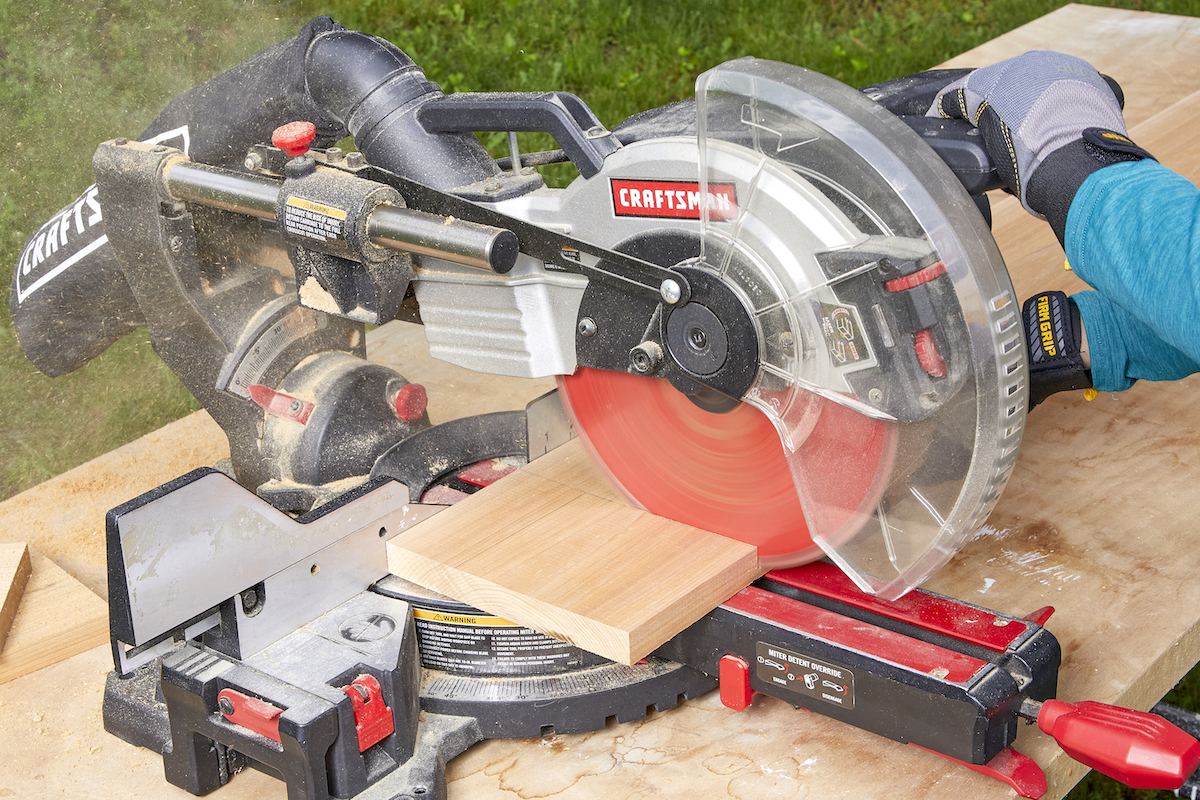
(805, 675)
(673, 199)
(487, 645)
(313, 220)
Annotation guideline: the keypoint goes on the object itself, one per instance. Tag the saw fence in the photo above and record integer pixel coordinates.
(1096, 521)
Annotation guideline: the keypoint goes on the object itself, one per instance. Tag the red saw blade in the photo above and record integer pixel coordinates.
(725, 473)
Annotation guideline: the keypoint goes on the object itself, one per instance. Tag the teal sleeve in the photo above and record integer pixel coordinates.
(1124, 349)
(1133, 233)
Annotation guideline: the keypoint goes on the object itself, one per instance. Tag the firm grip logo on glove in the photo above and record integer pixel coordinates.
(672, 199)
(1046, 327)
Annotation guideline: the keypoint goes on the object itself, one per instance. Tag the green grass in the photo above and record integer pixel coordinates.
(75, 72)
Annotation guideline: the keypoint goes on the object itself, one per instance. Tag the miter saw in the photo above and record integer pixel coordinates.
(774, 313)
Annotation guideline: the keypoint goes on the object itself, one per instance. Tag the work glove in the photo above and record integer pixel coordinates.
(1048, 121)
(1053, 335)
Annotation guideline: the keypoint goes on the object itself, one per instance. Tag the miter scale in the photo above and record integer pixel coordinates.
(775, 314)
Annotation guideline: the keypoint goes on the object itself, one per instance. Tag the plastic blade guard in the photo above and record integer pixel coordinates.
(891, 364)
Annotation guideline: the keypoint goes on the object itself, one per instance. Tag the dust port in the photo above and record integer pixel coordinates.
(547, 730)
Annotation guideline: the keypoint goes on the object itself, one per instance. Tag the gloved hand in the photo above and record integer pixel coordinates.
(1048, 121)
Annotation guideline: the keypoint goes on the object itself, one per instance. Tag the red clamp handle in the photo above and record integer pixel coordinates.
(1138, 749)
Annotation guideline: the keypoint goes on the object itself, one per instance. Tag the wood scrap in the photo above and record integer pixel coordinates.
(583, 567)
(14, 573)
(58, 618)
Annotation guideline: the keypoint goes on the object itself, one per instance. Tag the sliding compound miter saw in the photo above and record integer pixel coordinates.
(775, 312)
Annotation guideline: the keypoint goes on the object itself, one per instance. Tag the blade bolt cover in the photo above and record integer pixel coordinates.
(646, 358)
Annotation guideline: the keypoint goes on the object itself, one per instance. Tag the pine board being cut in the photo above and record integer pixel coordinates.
(14, 573)
(552, 548)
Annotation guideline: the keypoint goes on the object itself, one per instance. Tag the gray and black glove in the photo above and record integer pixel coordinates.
(1048, 121)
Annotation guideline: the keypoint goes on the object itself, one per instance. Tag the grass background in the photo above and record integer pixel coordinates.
(76, 72)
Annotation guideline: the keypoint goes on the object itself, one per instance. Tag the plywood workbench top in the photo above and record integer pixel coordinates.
(1098, 521)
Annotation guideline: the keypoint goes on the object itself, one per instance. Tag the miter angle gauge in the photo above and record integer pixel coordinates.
(888, 403)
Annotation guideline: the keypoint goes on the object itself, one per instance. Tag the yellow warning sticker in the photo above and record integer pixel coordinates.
(317, 208)
(463, 619)
(313, 220)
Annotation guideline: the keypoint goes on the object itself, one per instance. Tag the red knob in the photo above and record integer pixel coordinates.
(410, 402)
(294, 138)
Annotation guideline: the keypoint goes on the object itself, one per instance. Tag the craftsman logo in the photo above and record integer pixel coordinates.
(73, 234)
(672, 199)
(367, 627)
(811, 677)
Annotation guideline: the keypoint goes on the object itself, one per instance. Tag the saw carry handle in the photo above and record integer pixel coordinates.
(1138, 749)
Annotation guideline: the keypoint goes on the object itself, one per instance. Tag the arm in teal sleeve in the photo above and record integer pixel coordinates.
(1124, 349)
(1133, 233)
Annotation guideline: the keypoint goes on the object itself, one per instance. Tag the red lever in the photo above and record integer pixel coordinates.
(372, 718)
(1140, 750)
(250, 712)
(280, 404)
(294, 138)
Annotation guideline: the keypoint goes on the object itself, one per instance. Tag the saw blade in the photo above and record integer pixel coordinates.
(890, 367)
(725, 472)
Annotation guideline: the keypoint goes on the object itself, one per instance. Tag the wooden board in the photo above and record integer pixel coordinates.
(14, 573)
(1155, 57)
(58, 618)
(568, 558)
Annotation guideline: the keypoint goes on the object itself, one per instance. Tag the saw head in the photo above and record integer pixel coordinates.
(887, 404)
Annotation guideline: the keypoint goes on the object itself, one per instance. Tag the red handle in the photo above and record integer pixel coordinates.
(1138, 749)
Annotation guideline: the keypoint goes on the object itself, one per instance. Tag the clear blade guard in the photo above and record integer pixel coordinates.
(886, 315)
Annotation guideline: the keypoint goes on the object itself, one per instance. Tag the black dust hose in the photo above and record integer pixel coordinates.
(375, 90)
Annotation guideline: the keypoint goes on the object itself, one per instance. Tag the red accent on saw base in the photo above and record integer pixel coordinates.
(904, 651)
(485, 473)
(724, 473)
(933, 612)
(252, 713)
(1009, 766)
(294, 137)
(735, 683)
(443, 496)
